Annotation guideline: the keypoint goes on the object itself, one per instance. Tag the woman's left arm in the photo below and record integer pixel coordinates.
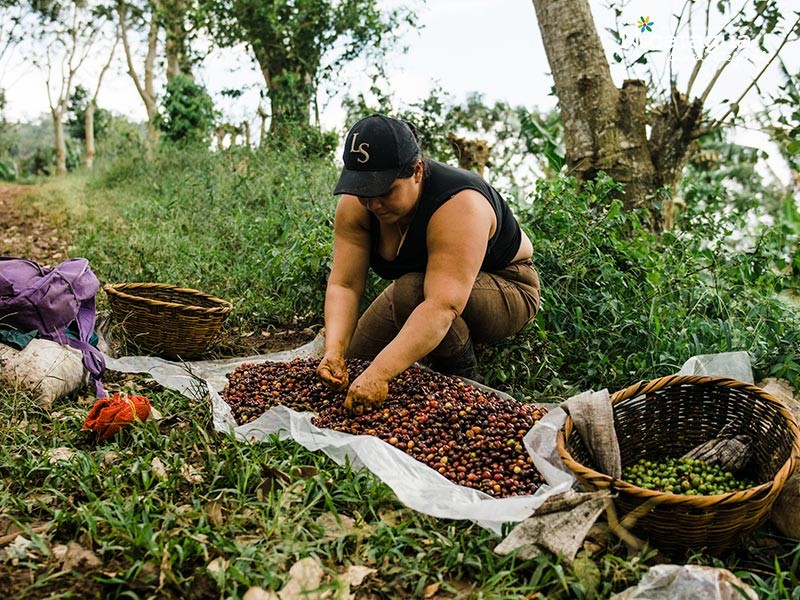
(457, 237)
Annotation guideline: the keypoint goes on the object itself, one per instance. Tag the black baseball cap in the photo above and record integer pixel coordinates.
(375, 150)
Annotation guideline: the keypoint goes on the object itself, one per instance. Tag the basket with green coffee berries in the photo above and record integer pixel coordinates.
(703, 458)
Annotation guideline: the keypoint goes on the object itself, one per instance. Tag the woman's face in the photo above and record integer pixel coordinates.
(399, 201)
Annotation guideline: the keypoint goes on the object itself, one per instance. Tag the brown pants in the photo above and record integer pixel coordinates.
(499, 305)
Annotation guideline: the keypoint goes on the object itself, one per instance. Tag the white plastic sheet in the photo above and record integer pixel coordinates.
(416, 485)
(735, 365)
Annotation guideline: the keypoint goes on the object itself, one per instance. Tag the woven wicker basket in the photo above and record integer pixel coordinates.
(666, 418)
(166, 320)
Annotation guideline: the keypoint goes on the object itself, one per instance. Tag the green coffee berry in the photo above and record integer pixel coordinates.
(686, 476)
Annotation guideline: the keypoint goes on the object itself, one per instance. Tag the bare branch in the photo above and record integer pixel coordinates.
(789, 32)
(88, 32)
(48, 76)
(722, 30)
(7, 33)
(106, 67)
(695, 72)
(128, 56)
(716, 76)
(671, 51)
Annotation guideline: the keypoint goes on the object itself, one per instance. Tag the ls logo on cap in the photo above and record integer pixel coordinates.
(360, 150)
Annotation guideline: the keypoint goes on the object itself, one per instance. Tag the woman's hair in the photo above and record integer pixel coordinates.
(407, 170)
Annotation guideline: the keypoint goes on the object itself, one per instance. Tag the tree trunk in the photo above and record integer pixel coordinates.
(605, 127)
(471, 154)
(175, 48)
(149, 76)
(90, 108)
(88, 159)
(262, 138)
(246, 127)
(146, 88)
(61, 146)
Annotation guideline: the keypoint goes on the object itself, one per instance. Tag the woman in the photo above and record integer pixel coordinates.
(461, 265)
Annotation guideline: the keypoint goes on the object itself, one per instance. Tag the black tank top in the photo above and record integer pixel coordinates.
(443, 183)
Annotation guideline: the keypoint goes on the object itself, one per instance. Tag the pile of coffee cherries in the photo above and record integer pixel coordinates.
(471, 436)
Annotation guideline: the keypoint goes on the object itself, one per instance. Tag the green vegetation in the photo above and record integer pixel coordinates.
(620, 304)
(173, 509)
(300, 44)
(188, 112)
(76, 124)
(167, 499)
(252, 228)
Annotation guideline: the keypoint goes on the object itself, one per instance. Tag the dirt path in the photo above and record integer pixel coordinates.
(26, 232)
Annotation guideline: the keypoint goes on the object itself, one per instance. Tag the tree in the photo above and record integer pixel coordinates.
(92, 106)
(179, 20)
(154, 18)
(87, 122)
(86, 118)
(131, 16)
(476, 134)
(643, 142)
(298, 43)
(188, 112)
(12, 26)
(174, 16)
(68, 34)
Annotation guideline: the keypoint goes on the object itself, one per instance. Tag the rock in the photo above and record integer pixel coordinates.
(688, 582)
(785, 514)
(783, 392)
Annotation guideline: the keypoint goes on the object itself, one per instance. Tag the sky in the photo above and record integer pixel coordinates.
(488, 46)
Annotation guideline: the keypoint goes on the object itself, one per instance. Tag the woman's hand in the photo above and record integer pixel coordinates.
(366, 393)
(332, 371)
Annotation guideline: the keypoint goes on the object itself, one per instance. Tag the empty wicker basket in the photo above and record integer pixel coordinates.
(170, 321)
(666, 418)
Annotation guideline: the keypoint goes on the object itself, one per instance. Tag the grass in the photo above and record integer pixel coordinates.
(229, 225)
(174, 509)
(157, 529)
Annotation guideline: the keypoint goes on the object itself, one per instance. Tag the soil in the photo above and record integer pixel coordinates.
(25, 232)
(28, 232)
(234, 343)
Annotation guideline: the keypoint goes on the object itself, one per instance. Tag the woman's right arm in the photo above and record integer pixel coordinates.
(345, 287)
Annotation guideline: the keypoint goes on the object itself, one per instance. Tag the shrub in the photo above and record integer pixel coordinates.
(187, 114)
(622, 304)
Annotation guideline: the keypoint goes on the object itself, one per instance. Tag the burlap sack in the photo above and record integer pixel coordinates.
(44, 369)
